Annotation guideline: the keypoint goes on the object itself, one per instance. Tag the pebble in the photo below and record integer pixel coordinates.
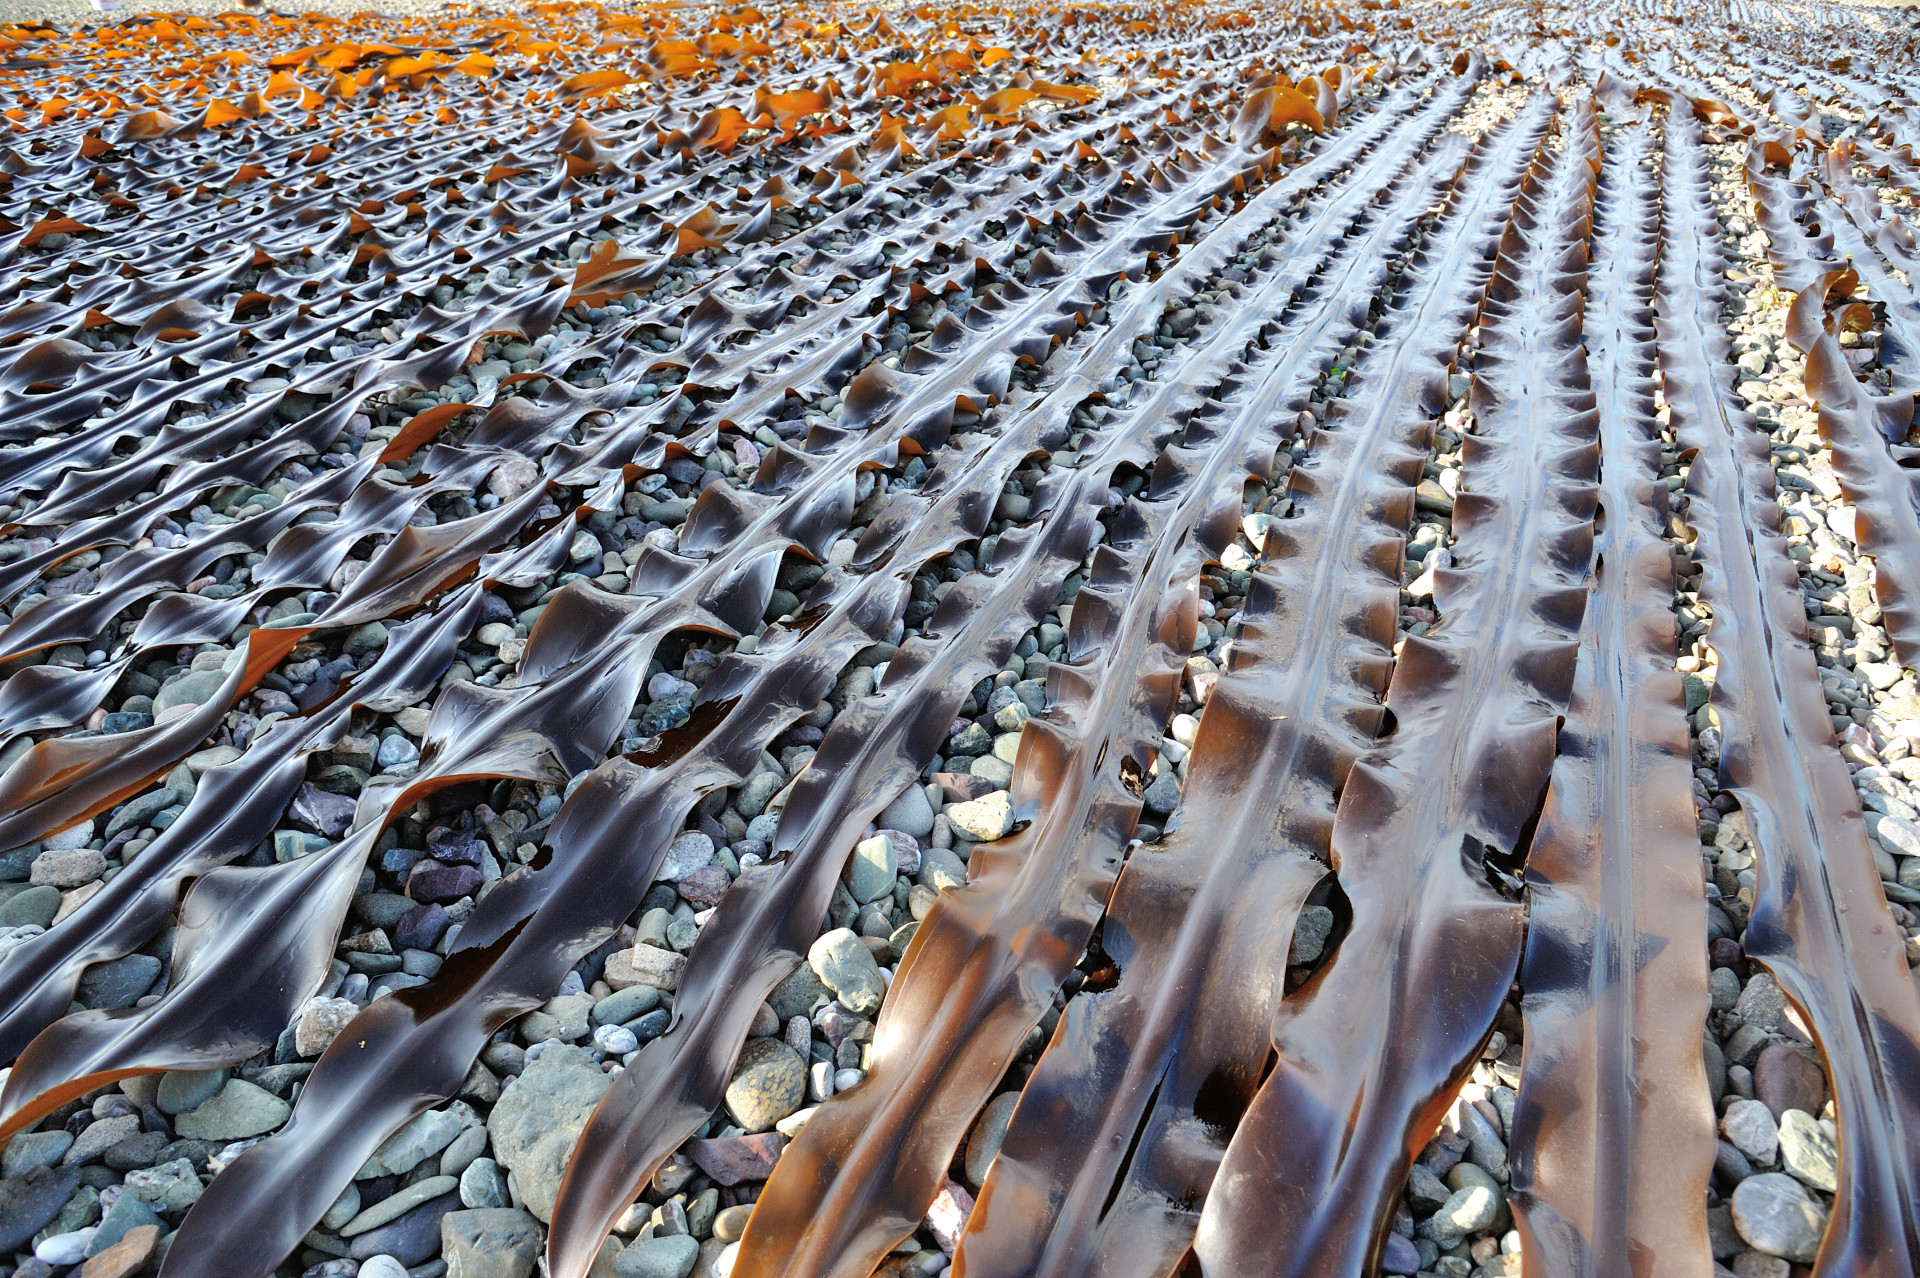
(733, 1159)
(1750, 1127)
(989, 1132)
(1786, 1077)
(769, 1083)
(910, 813)
(184, 1089)
(398, 1204)
(871, 869)
(483, 1184)
(846, 966)
(669, 1257)
(1775, 1214)
(1807, 1152)
(413, 1238)
(984, 819)
(64, 1249)
(539, 1116)
(382, 1267)
(689, 852)
(320, 1022)
(491, 1242)
(29, 1150)
(123, 1257)
(239, 1110)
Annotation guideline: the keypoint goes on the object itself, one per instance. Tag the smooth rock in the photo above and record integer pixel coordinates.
(483, 1184)
(1762, 1005)
(947, 1215)
(1749, 1126)
(538, 1118)
(1399, 1256)
(732, 1159)
(64, 1249)
(68, 868)
(644, 965)
(127, 1214)
(101, 1136)
(871, 869)
(1807, 1152)
(1785, 1077)
(910, 813)
(118, 982)
(185, 1089)
(769, 1083)
(29, 1203)
(669, 1257)
(382, 1267)
(1775, 1214)
(989, 1132)
(29, 1150)
(413, 1238)
(846, 967)
(398, 1204)
(426, 1135)
(238, 1111)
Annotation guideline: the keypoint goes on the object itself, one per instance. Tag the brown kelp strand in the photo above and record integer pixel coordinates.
(698, 642)
(1612, 1135)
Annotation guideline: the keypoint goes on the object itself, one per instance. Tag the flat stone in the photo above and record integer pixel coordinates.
(127, 1214)
(321, 1021)
(437, 882)
(538, 1118)
(1807, 1152)
(412, 1239)
(489, 1243)
(125, 1257)
(1399, 1256)
(196, 688)
(1163, 795)
(28, 1204)
(399, 1204)
(799, 994)
(941, 870)
(68, 867)
(769, 1083)
(988, 1134)
(733, 1159)
(846, 967)
(426, 1135)
(626, 1005)
(462, 1150)
(99, 1137)
(135, 1152)
(1749, 1127)
(563, 1017)
(36, 906)
(29, 1150)
(239, 1110)
(320, 811)
(871, 869)
(1785, 1077)
(910, 813)
(421, 926)
(184, 1089)
(1775, 1214)
(119, 982)
(985, 819)
(669, 1257)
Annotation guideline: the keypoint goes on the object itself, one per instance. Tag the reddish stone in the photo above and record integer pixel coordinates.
(732, 1159)
(432, 881)
(1786, 1078)
(705, 886)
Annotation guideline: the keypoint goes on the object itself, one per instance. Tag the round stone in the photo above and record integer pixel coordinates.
(769, 1083)
(1775, 1214)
